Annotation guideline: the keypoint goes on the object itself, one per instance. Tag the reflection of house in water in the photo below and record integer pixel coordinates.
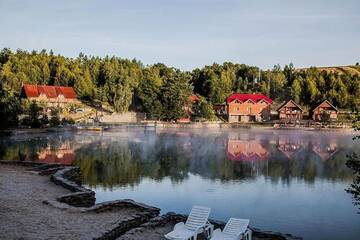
(61, 155)
(289, 146)
(324, 149)
(246, 150)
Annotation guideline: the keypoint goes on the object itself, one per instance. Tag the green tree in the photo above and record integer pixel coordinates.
(202, 109)
(149, 96)
(54, 117)
(33, 115)
(311, 91)
(122, 97)
(84, 86)
(296, 90)
(9, 108)
(277, 82)
(175, 94)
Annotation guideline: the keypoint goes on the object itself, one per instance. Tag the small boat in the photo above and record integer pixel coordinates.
(90, 128)
(94, 129)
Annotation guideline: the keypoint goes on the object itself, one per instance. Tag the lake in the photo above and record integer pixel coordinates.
(286, 181)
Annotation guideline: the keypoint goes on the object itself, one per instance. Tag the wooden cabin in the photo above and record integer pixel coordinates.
(290, 110)
(325, 107)
(248, 107)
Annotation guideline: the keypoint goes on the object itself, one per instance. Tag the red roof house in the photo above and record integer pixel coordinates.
(52, 95)
(243, 97)
(248, 107)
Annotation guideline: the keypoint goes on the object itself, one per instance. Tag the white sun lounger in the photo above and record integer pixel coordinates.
(235, 229)
(196, 223)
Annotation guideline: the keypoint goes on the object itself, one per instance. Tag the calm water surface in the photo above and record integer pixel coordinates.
(286, 181)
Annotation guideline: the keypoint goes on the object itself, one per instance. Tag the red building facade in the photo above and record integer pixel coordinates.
(52, 96)
(248, 107)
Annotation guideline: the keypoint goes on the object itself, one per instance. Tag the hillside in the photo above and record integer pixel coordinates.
(351, 69)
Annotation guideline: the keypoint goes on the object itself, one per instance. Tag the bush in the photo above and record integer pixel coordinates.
(54, 117)
(203, 110)
(66, 121)
(33, 111)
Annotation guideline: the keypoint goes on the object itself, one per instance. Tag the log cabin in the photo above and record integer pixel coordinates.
(324, 107)
(290, 111)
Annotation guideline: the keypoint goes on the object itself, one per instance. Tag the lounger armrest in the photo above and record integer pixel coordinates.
(200, 229)
(179, 226)
(217, 233)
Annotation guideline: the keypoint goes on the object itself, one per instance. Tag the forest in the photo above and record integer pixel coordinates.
(161, 91)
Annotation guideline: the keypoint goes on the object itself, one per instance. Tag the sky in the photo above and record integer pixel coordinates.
(187, 34)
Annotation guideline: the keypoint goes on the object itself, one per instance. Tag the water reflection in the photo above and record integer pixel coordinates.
(125, 158)
(262, 173)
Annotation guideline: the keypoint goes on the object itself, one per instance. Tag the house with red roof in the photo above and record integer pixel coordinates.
(52, 96)
(250, 107)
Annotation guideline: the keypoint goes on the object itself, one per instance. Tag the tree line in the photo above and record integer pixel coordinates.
(161, 91)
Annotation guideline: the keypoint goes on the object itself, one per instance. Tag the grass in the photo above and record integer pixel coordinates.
(351, 69)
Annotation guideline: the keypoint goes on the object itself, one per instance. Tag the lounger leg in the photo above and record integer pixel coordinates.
(248, 234)
(208, 231)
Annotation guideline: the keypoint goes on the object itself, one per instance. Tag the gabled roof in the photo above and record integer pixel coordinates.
(289, 102)
(32, 91)
(246, 96)
(325, 101)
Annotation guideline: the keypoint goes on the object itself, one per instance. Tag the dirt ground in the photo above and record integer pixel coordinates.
(23, 215)
(151, 233)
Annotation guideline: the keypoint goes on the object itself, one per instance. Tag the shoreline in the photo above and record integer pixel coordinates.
(80, 199)
(171, 126)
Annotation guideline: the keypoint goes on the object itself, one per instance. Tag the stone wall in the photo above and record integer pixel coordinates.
(82, 197)
(127, 117)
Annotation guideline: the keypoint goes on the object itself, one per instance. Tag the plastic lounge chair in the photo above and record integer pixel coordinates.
(234, 229)
(196, 223)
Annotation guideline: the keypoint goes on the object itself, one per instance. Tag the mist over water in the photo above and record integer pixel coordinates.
(287, 181)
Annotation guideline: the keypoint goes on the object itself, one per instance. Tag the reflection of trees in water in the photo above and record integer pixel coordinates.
(25, 148)
(168, 155)
(125, 163)
(354, 164)
(127, 159)
(354, 189)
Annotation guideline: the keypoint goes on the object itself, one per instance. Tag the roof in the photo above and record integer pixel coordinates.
(289, 102)
(246, 96)
(325, 102)
(244, 150)
(193, 98)
(32, 91)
